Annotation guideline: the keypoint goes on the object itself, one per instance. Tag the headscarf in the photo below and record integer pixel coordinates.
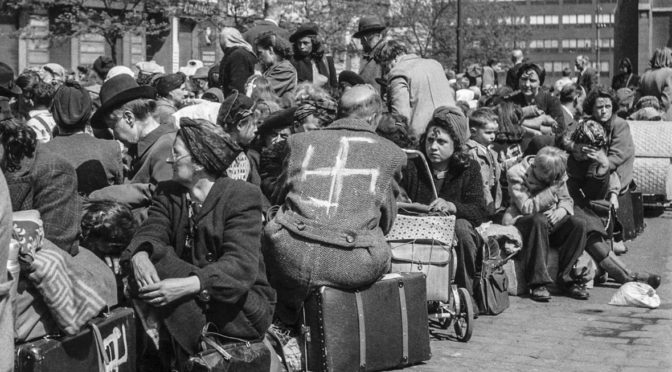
(231, 37)
(165, 84)
(208, 145)
(71, 105)
(324, 109)
(235, 108)
(590, 132)
(454, 117)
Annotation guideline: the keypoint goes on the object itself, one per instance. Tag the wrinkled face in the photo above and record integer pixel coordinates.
(439, 147)
(305, 45)
(276, 136)
(266, 56)
(124, 127)
(178, 95)
(602, 110)
(486, 135)
(529, 83)
(180, 159)
(247, 129)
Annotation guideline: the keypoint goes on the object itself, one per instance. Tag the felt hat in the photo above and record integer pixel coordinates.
(102, 65)
(165, 84)
(368, 24)
(7, 86)
(306, 29)
(117, 91)
(72, 105)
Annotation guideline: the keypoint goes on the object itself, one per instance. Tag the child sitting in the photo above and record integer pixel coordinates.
(107, 228)
(538, 185)
(543, 212)
(483, 128)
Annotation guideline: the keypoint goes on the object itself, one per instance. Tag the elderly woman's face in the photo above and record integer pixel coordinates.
(439, 147)
(180, 159)
(602, 109)
(529, 83)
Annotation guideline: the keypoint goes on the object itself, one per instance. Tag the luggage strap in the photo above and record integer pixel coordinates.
(103, 359)
(362, 331)
(404, 323)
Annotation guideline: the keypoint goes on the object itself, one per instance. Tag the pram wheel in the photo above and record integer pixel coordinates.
(464, 317)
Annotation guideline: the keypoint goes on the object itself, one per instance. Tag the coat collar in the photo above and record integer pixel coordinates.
(350, 124)
(148, 141)
(213, 197)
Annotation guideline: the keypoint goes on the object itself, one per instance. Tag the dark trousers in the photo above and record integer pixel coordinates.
(469, 254)
(568, 235)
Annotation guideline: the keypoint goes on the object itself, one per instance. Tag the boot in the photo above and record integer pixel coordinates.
(618, 271)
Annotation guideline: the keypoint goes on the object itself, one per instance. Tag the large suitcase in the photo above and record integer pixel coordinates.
(80, 353)
(380, 327)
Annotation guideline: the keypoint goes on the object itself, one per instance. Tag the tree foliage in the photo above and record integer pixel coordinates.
(489, 29)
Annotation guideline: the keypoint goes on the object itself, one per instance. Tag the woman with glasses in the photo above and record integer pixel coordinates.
(273, 53)
(197, 258)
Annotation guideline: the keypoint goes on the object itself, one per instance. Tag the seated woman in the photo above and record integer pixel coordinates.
(459, 185)
(542, 210)
(40, 179)
(197, 258)
(273, 53)
(590, 180)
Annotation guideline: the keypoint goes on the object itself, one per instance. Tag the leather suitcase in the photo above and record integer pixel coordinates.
(79, 353)
(380, 327)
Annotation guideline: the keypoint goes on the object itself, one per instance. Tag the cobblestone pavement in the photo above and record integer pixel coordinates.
(571, 335)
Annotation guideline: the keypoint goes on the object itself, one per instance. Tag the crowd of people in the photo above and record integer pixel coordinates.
(227, 193)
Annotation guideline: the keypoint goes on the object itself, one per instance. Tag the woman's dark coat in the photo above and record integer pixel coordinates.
(235, 293)
(236, 67)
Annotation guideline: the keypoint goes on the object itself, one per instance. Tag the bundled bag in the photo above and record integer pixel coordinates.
(424, 243)
(491, 288)
(229, 354)
(636, 294)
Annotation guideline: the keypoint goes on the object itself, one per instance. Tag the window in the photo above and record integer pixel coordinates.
(550, 44)
(583, 43)
(569, 19)
(548, 66)
(569, 43)
(604, 66)
(520, 44)
(583, 19)
(551, 20)
(557, 66)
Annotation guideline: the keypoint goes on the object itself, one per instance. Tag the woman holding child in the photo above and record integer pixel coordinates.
(459, 185)
(197, 258)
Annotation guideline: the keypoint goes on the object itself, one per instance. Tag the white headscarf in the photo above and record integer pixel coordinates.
(231, 37)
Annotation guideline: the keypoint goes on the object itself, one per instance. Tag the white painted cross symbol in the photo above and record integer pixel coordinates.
(337, 172)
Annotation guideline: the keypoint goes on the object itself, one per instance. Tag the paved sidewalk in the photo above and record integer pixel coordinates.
(571, 335)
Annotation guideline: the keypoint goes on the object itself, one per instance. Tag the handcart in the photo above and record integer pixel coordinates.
(423, 241)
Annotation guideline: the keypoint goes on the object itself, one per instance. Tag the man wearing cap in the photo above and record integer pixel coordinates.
(128, 110)
(200, 81)
(370, 33)
(310, 61)
(171, 93)
(97, 161)
(8, 90)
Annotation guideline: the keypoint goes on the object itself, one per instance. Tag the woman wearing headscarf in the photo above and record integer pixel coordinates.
(458, 182)
(97, 161)
(197, 258)
(626, 78)
(238, 62)
(657, 80)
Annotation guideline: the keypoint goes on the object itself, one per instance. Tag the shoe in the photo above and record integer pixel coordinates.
(540, 294)
(651, 279)
(577, 291)
(620, 248)
(290, 345)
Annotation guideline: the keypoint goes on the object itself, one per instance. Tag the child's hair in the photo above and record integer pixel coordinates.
(108, 221)
(481, 117)
(553, 162)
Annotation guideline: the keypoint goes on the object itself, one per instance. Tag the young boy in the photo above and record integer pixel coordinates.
(538, 185)
(483, 128)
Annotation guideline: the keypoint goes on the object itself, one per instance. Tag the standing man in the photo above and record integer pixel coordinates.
(588, 77)
(272, 11)
(416, 86)
(512, 74)
(370, 33)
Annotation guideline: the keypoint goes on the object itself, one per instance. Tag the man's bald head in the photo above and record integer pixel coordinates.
(517, 56)
(360, 102)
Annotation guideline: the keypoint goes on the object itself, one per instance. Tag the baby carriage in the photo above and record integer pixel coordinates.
(423, 241)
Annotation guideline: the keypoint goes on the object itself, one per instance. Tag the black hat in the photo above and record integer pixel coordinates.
(169, 82)
(368, 24)
(350, 77)
(7, 86)
(117, 91)
(306, 29)
(277, 120)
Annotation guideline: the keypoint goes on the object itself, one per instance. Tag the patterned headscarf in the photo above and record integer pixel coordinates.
(590, 133)
(208, 145)
(324, 109)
